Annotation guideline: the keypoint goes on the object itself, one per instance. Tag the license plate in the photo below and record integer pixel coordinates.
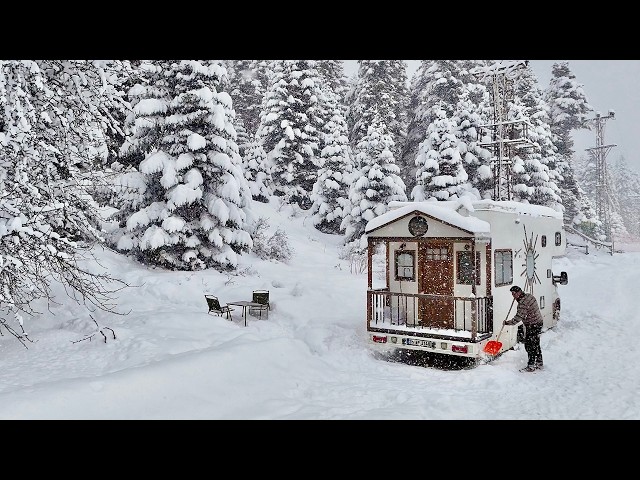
(419, 343)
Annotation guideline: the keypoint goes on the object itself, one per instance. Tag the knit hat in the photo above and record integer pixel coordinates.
(515, 288)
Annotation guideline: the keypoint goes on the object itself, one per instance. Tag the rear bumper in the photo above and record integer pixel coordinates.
(385, 340)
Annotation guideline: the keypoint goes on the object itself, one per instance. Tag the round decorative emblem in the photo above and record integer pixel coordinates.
(418, 226)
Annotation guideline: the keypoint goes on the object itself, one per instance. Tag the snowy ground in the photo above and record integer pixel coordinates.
(310, 358)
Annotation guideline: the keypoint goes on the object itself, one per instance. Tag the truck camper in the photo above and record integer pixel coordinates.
(439, 273)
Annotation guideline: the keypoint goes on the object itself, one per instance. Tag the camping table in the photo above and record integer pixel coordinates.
(244, 304)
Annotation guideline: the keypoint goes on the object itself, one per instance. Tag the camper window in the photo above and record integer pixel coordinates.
(504, 267)
(464, 268)
(558, 239)
(405, 265)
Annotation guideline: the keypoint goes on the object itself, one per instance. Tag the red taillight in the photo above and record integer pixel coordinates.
(379, 339)
(459, 348)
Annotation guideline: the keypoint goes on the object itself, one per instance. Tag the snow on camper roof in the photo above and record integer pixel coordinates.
(445, 211)
(448, 211)
(514, 207)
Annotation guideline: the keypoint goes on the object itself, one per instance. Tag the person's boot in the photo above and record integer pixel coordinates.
(528, 368)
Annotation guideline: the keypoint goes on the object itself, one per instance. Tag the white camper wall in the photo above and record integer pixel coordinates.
(522, 232)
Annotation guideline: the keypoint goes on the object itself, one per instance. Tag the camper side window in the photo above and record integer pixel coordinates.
(504, 267)
(405, 266)
(464, 268)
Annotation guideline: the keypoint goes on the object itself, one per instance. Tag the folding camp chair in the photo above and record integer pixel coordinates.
(262, 297)
(215, 307)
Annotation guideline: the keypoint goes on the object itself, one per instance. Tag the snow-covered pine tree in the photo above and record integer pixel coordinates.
(332, 72)
(375, 183)
(418, 108)
(568, 111)
(440, 172)
(330, 195)
(615, 194)
(243, 140)
(381, 87)
(568, 107)
(248, 82)
(195, 201)
(472, 112)
(587, 220)
(448, 85)
(534, 174)
(476, 159)
(616, 222)
(289, 130)
(627, 183)
(149, 98)
(257, 171)
(580, 212)
(122, 75)
(475, 112)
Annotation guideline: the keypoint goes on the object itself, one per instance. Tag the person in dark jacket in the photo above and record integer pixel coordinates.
(529, 314)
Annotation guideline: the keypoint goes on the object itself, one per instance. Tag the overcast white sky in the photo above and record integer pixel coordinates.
(609, 85)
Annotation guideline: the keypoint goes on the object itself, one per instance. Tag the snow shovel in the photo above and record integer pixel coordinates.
(493, 346)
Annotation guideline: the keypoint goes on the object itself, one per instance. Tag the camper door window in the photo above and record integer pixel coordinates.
(405, 265)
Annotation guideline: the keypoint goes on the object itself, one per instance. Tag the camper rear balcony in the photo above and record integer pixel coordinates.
(468, 319)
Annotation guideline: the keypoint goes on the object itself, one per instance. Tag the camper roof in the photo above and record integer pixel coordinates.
(512, 207)
(456, 212)
(444, 211)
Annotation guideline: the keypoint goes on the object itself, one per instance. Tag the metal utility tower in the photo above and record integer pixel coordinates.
(599, 154)
(506, 135)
